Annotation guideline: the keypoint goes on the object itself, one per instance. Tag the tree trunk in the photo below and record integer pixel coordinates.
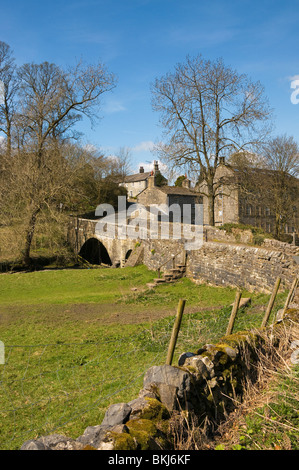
(8, 141)
(211, 204)
(8, 127)
(29, 236)
(277, 225)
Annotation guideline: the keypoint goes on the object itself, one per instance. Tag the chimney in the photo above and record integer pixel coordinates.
(221, 160)
(186, 183)
(156, 167)
(141, 169)
(151, 181)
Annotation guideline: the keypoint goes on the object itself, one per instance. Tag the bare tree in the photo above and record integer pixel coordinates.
(123, 162)
(281, 158)
(269, 181)
(8, 90)
(208, 110)
(52, 101)
(281, 153)
(98, 177)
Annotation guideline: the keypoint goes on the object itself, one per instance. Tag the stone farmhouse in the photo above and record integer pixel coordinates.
(233, 204)
(136, 183)
(142, 188)
(170, 196)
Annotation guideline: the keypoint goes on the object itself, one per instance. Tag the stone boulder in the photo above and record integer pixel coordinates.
(53, 442)
(117, 414)
(172, 384)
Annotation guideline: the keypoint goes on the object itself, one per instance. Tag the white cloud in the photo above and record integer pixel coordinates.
(149, 166)
(113, 106)
(146, 146)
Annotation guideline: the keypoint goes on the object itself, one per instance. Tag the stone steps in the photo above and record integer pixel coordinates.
(169, 277)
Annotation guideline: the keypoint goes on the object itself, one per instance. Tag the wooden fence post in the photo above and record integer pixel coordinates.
(234, 313)
(175, 331)
(290, 295)
(271, 303)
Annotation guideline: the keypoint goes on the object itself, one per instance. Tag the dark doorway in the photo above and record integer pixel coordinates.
(94, 252)
(128, 254)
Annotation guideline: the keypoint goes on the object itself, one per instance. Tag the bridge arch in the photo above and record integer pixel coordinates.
(128, 254)
(95, 252)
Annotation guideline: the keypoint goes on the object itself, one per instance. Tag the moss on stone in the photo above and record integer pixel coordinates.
(144, 432)
(123, 441)
(226, 373)
(223, 359)
(191, 369)
(155, 410)
(242, 337)
(207, 354)
(144, 425)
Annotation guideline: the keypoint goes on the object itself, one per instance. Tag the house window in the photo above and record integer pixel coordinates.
(268, 211)
(248, 209)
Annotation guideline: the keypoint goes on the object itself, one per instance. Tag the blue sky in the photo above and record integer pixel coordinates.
(140, 40)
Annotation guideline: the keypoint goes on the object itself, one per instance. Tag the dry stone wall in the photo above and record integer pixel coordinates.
(220, 260)
(228, 264)
(254, 268)
(207, 383)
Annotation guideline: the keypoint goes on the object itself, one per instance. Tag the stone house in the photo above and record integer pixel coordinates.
(233, 204)
(136, 183)
(170, 196)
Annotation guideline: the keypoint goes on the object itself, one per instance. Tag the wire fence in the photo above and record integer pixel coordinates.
(65, 387)
(49, 387)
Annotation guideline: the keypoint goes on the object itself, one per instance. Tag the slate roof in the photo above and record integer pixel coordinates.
(181, 191)
(137, 177)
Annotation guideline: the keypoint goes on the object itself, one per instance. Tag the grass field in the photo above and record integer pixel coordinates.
(77, 340)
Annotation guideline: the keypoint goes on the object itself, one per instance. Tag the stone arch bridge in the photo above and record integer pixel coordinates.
(98, 248)
(112, 241)
(219, 260)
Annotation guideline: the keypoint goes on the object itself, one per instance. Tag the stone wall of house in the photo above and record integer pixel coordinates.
(226, 203)
(152, 195)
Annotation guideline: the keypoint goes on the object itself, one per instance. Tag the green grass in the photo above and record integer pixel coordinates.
(274, 424)
(70, 285)
(77, 340)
